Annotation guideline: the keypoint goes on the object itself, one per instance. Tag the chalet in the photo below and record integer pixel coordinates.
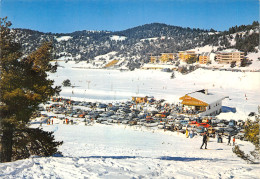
(185, 55)
(204, 58)
(228, 56)
(138, 99)
(202, 103)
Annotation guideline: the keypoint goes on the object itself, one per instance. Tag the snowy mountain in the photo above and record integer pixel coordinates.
(135, 44)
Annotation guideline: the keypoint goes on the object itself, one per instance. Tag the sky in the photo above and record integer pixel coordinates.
(64, 16)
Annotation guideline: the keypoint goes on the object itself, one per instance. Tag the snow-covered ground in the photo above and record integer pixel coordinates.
(112, 85)
(120, 151)
(116, 38)
(63, 38)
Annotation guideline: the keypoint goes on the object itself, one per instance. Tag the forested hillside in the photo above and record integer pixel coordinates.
(135, 44)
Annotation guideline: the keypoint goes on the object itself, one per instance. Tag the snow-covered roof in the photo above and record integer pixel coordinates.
(208, 98)
(205, 54)
(229, 51)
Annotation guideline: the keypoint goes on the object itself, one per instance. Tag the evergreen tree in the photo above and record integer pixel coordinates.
(232, 64)
(191, 60)
(66, 82)
(23, 86)
(252, 132)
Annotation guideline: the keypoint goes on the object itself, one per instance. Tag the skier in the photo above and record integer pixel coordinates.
(191, 133)
(204, 141)
(187, 133)
(229, 139)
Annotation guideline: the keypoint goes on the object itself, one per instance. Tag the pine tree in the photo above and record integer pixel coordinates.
(191, 60)
(23, 86)
(66, 82)
(252, 132)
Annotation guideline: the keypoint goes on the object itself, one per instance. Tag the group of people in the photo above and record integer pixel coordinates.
(189, 133)
(50, 121)
(229, 139)
(67, 121)
(205, 140)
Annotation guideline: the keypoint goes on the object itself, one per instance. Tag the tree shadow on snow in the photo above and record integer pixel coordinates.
(113, 157)
(183, 159)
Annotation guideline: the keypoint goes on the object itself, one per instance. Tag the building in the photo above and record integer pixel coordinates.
(164, 58)
(168, 57)
(185, 55)
(202, 103)
(155, 59)
(204, 58)
(138, 99)
(229, 56)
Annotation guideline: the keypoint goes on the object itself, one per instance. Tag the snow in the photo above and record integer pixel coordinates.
(213, 33)
(255, 61)
(207, 48)
(149, 39)
(120, 151)
(207, 98)
(106, 56)
(158, 66)
(116, 38)
(229, 51)
(112, 85)
(63, 38)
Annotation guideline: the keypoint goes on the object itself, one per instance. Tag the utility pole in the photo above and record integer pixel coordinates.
(88, 83)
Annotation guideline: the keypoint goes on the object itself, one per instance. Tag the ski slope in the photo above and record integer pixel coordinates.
(120, 151)
(242, 88)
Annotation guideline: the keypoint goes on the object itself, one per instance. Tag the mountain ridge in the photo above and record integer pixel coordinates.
(139, 41)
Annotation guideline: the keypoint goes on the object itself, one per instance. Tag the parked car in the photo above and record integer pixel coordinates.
(200, 129)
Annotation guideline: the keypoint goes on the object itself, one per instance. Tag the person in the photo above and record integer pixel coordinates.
(204, 140)
(234, 140)
(191, 133)
(187, 133)
(219, 138)
(229, 139)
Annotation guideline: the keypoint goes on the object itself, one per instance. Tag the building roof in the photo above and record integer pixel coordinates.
(204, 96)
(230, 51)
(207, 98)
(205, 54)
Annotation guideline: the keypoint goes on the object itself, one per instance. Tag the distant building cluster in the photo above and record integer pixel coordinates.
(222, 57)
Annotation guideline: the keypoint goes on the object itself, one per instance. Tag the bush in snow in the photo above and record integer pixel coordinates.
(232, 64)
(252, 132)
(66, 82)
(252, 135)
(242, 154)
(191, 60)
(29, 141)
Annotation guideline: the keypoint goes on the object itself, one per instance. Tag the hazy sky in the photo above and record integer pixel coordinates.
(72, 15)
